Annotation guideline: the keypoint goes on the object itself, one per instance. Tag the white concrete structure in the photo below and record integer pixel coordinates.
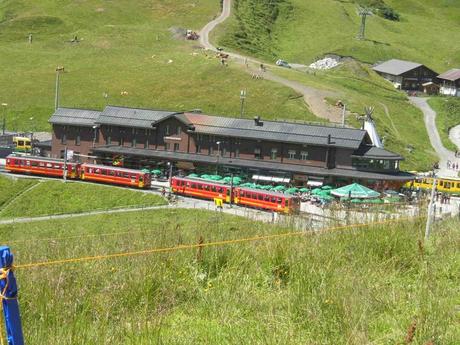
(450, 83)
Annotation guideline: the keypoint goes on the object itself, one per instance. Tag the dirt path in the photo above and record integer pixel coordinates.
(314, 98)
(444, 154)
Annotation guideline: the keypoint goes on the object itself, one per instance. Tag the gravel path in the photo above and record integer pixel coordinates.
(444, 154)
(314, 98)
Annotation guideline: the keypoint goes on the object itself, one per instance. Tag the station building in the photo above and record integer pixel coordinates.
(297, 153)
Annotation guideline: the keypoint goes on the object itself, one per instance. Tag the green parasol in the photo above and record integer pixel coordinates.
(355, 190)
(316, 191)
(291, 190)
(375, 201)
(156, 172)
(356, 201)
(327, 187)
(193, 175)
(279, 188)
(304, 190)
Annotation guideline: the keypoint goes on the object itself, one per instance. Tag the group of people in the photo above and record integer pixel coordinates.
(443, 197)
(452, 165)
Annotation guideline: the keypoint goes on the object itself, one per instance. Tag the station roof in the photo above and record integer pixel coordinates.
(396, 67)
(78, 117)
(291, 132)
(373, 152)
(132, 117)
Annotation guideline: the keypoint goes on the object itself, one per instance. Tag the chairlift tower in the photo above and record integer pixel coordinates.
(363, 12)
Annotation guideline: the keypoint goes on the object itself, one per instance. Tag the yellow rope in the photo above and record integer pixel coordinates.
(192, 246)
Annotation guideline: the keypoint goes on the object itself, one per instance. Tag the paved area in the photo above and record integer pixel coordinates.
(454, 136)
(444, 154)
(314, 98)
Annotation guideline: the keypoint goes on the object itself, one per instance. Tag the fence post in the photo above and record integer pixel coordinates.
(9, 296)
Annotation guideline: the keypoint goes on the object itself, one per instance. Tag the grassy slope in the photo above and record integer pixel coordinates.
(124, 46)
(311, 29)
(10, 188)
(447, 116)
(54, 197)
(350, 287)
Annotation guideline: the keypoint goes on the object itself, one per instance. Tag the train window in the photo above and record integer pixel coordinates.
(57, 166)
(261, 197)
(286, 202)
(241, 193)
(441, 183)
(228, 192)
(273, 199)
(193, 185)
(220, 190)
(267, 198)
(279, 200)
(141, 178)
(200, 186)
(254, 196)
(111, 173)
(213, 188)
(447, 185)
(28, 163)
(458, 185)
(206, 187)
(49, 165)
(126, 175)
(41, 164)
(33, 163)
(188, 184)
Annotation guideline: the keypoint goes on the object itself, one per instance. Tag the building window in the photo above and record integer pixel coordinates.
(146, 143)
(147, 132)
(77, 139)
(64, 139)
(179, 130)
(210, 150)
(167, 130)
(198, 148)
(303, 155)
(237, 153)
(133, 142)
(224, 151)
(109, 140)
(121, 141)
(176, 147)
(273, 154)
(257, 154)
(61, 154)
(292, 154)
(167, 146)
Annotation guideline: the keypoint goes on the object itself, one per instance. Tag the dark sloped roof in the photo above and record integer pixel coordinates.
(78, 117)
(373, 152)
(452, 75)
(275, 131)
(132, 117)
(396, 67)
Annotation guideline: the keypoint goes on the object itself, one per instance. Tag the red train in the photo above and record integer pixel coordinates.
(255, 198)
(91, 172)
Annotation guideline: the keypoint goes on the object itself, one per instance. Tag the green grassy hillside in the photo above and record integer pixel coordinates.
(124, 46)
(300, 31)
(55, 197)
(355, 286)
(448, 116)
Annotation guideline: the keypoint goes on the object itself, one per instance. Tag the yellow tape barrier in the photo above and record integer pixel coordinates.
(200, 245)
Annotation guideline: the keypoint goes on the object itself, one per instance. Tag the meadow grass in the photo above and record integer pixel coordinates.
(354, 286)
(301, 31)
(124, 46)
(55, 197)
(447, 116)
(10, 188)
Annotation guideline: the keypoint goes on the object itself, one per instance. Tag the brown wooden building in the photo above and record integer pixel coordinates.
(197, 142)
(406, 75)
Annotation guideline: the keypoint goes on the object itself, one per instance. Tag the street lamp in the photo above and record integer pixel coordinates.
(218, 156)
(242, 98)
(32, 128)
(95, 128)
(4, 105)
(59, 69)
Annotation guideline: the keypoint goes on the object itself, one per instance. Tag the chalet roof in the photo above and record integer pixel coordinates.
(396, 67)
(299, 133)
(132, 117)
(452, 75)
(79, 117)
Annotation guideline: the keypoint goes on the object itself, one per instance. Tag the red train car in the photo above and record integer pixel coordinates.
(115, 175)
(200, 188)
(41, 166)
(262, 199)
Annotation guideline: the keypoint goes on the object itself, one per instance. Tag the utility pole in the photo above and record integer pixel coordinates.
(65, 165)
(344, 109)
(218, 156)
(59, 69)
(363, 12)
(430, 209)
(4, 105)
(231, 190)
(242, 99)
